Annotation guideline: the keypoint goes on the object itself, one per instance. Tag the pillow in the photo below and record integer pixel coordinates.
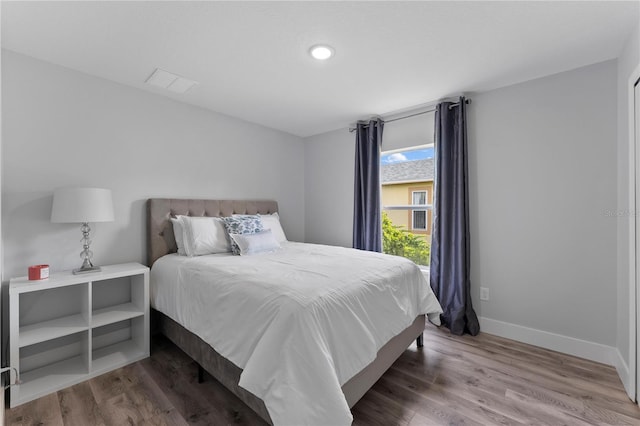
(259, 242)
(204, 235)
(242, 224)
(272, 222)
(178, 233)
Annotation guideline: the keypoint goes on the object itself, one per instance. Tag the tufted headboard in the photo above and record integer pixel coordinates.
(161, 240)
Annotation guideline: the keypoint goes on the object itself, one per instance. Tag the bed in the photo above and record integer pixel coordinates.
(173, 277)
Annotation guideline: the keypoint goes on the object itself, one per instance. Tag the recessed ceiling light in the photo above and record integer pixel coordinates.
(321, 52)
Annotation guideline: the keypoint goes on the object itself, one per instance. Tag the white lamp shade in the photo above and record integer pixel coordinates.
(80, 205)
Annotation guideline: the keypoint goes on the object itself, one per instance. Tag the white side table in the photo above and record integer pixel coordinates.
(70, 328)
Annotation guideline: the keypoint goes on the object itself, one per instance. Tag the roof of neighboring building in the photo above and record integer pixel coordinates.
(406, 171)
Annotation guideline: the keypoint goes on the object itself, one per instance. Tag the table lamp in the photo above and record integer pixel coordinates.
(82, 205)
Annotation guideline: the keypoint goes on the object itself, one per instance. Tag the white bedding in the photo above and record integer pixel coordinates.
(300, 322)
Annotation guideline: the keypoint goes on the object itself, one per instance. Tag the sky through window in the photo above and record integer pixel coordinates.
(416, 154)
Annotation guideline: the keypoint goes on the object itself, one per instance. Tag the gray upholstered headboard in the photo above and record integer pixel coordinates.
(159, 210)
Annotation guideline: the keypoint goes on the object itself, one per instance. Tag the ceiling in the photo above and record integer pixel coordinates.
(251, 58)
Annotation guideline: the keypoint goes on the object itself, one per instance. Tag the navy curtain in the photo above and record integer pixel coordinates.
(450, 258)
(367, 228)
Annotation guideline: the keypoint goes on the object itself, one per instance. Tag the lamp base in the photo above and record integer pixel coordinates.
(86, 270)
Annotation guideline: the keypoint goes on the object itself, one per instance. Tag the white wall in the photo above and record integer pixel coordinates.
(328, 177)
(542, 165)
(628, 61)
(543, 173)
(65, 128)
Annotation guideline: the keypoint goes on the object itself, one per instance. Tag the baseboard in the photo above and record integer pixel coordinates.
(623, 371)
(556, 342)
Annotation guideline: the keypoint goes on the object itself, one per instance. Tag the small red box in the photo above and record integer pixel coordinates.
(38, 272)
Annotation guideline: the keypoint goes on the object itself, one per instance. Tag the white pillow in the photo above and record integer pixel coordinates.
(178, 233)
(259, 242)
(272, 222)
(204, 235)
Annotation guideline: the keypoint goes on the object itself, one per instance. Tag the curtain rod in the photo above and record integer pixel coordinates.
(467, 101)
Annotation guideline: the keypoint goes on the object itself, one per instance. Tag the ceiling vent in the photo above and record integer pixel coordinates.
(170, 81)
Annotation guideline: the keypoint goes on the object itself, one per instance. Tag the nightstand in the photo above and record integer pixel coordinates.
(70, 328)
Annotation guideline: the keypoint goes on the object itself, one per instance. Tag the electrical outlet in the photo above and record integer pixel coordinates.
(484, 293)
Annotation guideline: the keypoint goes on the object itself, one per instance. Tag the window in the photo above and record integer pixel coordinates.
(419, 217)
(407, 193)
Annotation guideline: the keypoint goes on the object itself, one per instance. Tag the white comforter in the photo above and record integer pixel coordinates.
(300, 322)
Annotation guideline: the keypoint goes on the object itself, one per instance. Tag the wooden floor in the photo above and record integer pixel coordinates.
(482, 380)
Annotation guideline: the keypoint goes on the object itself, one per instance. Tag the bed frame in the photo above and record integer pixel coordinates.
(161, 241)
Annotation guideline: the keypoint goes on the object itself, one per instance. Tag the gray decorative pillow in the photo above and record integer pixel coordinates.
(260, 242)
(242, 224)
